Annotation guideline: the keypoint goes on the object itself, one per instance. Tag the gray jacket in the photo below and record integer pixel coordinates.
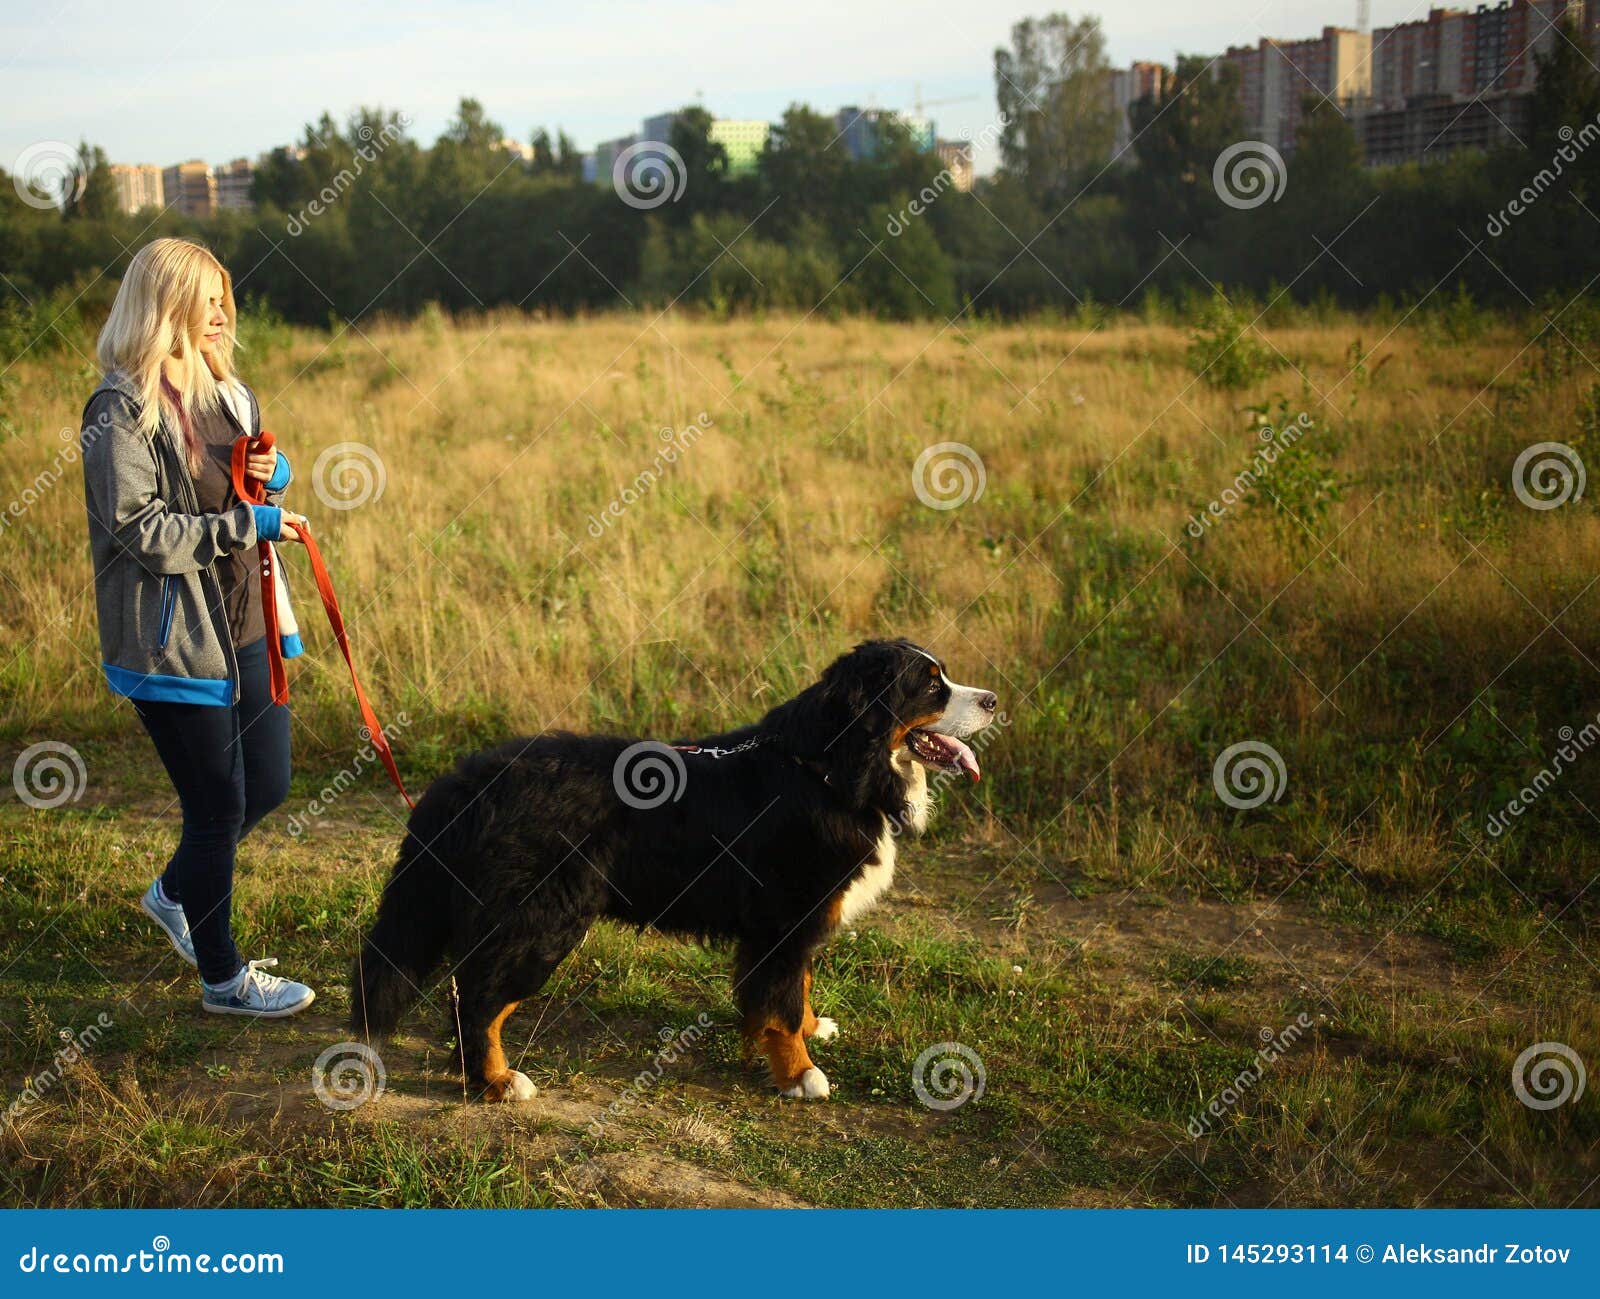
(163, 629)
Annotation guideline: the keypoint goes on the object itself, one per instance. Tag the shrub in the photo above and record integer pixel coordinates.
(1222, 351)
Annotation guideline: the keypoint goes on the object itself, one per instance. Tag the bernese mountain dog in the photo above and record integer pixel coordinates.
(769, 837)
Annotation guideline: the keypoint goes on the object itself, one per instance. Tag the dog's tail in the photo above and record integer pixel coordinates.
(407, 941)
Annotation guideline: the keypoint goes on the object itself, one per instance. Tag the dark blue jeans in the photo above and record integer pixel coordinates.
(230, 767)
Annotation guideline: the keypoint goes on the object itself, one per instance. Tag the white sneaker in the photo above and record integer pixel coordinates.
(252, 992)
(169, 915)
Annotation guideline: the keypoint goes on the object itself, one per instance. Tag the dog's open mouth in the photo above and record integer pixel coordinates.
(941, 752)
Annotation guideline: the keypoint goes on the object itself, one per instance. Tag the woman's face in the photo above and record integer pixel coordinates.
(215, 320)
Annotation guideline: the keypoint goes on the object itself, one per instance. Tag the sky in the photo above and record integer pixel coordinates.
(164, 83)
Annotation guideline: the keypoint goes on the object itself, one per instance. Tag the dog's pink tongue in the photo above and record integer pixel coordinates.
(965, 758)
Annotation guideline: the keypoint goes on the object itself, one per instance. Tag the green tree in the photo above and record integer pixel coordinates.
(1181, 132)
(544, 157)
(806, 170)
(569, 162)
(1567, 91)
(1051, 88)
(90, 191)
(908, 275)
(465, 161)
(705, 163)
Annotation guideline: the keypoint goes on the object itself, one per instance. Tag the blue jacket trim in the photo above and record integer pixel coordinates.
(154, 687)
(269, 522)
(281, 474)
(291, 646)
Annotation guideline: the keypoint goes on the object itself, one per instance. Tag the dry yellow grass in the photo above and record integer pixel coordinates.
(489, 590)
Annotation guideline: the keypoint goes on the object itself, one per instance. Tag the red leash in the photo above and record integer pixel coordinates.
(255, 492)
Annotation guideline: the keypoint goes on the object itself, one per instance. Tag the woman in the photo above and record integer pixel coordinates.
(178, 593)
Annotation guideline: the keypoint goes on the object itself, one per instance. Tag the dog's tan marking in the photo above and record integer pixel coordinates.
(813, 1025)
(785, 1050)
(499, 1077)
(918, 723)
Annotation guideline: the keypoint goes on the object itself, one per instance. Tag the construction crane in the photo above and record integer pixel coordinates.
(919, 104)
(1363, 16)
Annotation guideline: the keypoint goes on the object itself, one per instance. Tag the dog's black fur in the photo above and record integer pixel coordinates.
(510, 858)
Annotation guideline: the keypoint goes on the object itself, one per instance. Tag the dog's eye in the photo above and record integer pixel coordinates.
(935, 686)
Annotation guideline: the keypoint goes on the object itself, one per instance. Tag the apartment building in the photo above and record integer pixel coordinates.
(138, 186)
(190, 187)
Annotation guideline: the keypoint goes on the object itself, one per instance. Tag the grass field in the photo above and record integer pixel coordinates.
(1112, 923)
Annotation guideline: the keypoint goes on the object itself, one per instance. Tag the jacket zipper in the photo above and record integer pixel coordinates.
(169, 593)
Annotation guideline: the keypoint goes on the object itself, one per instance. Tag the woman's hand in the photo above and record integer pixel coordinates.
(289, 527)
(261, 465)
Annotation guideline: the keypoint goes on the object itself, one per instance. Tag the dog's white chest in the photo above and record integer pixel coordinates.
(873, 882)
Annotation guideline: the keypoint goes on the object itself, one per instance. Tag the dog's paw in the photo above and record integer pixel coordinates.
(813, 1086)
(827, 1029)
(515, 1087)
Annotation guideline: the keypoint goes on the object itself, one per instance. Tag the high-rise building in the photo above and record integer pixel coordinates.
(659, 127)
(233, 185)
(1276, 77)
(1459, 53)
(191, 187)
(605, 156)
(956, 155)
(1460, 79)
(859, 128)
(1125, 86)
(743, 140)
(138, 186)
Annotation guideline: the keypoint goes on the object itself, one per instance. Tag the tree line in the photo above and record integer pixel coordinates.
(362, 217)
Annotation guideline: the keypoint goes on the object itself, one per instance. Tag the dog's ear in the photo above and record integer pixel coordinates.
(843, 720)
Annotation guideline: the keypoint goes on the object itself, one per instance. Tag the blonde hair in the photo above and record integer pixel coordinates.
(159, 315)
